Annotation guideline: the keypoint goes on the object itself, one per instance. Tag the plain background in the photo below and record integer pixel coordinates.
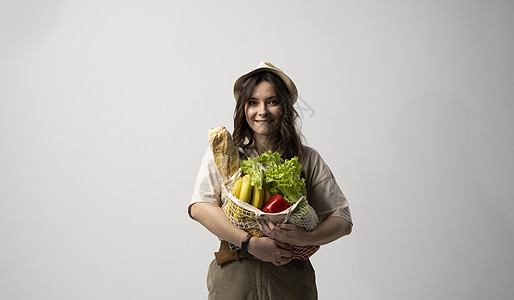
(104, 112)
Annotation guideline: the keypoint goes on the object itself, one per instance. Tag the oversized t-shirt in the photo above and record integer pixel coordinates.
(323, 192)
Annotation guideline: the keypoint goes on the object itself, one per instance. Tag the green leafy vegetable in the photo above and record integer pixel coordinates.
(251, 166)
(286, 179)
(270, 159)
(281, 177)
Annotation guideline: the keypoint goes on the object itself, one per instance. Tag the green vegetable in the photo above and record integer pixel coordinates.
(251, 166)
(281, 177)
(270, 159)
(286, 179)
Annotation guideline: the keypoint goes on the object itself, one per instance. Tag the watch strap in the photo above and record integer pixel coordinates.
(244, 244)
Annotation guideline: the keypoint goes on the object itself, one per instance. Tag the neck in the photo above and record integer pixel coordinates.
(261, 143)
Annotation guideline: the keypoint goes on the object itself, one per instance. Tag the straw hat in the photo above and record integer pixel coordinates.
(263, 67)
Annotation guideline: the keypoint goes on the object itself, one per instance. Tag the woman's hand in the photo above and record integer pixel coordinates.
(286, 233)
(214, 219)
(328, 231)
(269, 250)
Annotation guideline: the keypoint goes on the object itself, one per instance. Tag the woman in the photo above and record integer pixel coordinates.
(265, 119)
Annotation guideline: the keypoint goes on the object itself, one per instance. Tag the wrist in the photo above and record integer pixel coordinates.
(310, 238)
(245, 243)
(253, 245)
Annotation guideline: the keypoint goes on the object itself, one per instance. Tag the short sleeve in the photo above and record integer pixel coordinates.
(208, 182)
(323, 192)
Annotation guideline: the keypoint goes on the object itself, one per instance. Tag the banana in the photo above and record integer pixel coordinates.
(258, 197)
(237, 187)
(255, 232)
(267, 195)
(246, 189)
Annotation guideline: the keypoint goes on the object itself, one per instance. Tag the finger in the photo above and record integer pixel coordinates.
(264, 226)
(270, 225)
(284, 261)
(283, 245)
(267, 230)
(263, 223)
(287, 254)
(286, 226)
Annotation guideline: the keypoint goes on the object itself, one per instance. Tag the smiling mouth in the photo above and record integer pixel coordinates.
(263, 121)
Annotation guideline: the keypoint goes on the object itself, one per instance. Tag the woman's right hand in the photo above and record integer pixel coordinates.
(266, 249)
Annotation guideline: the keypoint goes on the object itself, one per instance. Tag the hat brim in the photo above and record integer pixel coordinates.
(267, 67)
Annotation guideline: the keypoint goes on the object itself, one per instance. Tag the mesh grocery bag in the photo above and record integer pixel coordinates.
(245, 216)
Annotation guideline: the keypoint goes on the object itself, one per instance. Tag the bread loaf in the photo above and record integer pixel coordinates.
(226, 155)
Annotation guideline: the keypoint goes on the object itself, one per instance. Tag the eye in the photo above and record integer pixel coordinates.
(251, 102)
(273, 102)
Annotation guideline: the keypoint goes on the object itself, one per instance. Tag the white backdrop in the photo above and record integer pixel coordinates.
(104, 111)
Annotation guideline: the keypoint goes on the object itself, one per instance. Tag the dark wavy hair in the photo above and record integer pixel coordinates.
(287, 139)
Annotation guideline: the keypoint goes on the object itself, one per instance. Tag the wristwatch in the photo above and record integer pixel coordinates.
(244, 244)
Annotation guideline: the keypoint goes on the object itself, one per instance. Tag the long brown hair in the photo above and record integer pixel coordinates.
(287, 139)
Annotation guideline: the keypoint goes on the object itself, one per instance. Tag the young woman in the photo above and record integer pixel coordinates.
(265, 119)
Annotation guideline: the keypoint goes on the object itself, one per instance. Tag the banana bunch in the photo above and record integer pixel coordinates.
(250, 194)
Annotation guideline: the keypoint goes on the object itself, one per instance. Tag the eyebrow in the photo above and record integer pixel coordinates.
(253, 98)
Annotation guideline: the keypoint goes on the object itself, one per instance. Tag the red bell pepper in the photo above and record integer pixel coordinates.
(275, 204)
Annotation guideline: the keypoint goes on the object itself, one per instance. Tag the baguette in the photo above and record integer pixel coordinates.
(226, 155)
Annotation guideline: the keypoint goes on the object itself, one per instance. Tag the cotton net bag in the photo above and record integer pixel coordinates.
(245, 216)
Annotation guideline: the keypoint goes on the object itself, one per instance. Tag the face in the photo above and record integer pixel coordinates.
(263, 109)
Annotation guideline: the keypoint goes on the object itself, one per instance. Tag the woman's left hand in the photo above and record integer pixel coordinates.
(286, 233)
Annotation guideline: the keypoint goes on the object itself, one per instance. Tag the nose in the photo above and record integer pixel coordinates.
(263, 109)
